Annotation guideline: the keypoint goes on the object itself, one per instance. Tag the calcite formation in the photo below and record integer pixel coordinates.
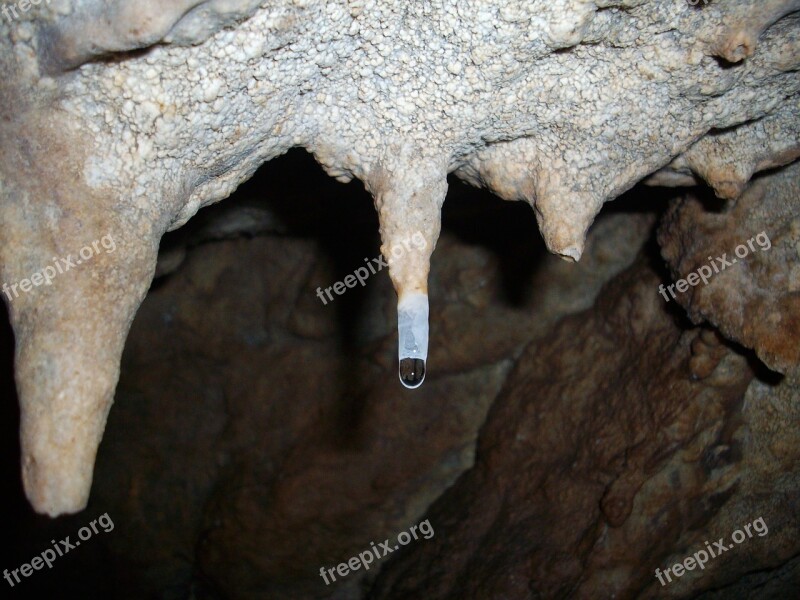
(290, 468)
(124, 118)
(672, 436)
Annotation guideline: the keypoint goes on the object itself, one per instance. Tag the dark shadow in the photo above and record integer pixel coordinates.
(304, 202)
(508, 229)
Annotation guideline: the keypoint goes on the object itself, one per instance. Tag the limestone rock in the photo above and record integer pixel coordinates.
(608, 457)
(122, 119)
(750, 254)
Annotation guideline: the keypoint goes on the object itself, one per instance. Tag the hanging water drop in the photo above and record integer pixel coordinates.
(412, 338)
(409, 185)
(412, 372)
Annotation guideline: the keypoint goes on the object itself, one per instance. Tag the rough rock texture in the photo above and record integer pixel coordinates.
(764, 281)
(123, 119)
(230, 470)
(566, 445)
(622, 439)
(670, 438)
(291, 468)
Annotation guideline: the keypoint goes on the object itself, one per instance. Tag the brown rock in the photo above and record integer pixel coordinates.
(754, 300)
(605, 459)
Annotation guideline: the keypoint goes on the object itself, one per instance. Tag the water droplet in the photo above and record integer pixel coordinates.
(412, 338)
(412, 372)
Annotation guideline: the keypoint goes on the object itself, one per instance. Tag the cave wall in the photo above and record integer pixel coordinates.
(577, 429)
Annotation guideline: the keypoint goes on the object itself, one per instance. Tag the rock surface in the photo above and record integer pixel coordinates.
(625, 440)
(577, 432)
(619, 436)
(288, 469)
(755, 246)
(123, 119)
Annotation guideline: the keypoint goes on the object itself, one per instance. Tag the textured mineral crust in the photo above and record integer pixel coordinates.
(656, 462)
(625, 433)
(229, 460)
